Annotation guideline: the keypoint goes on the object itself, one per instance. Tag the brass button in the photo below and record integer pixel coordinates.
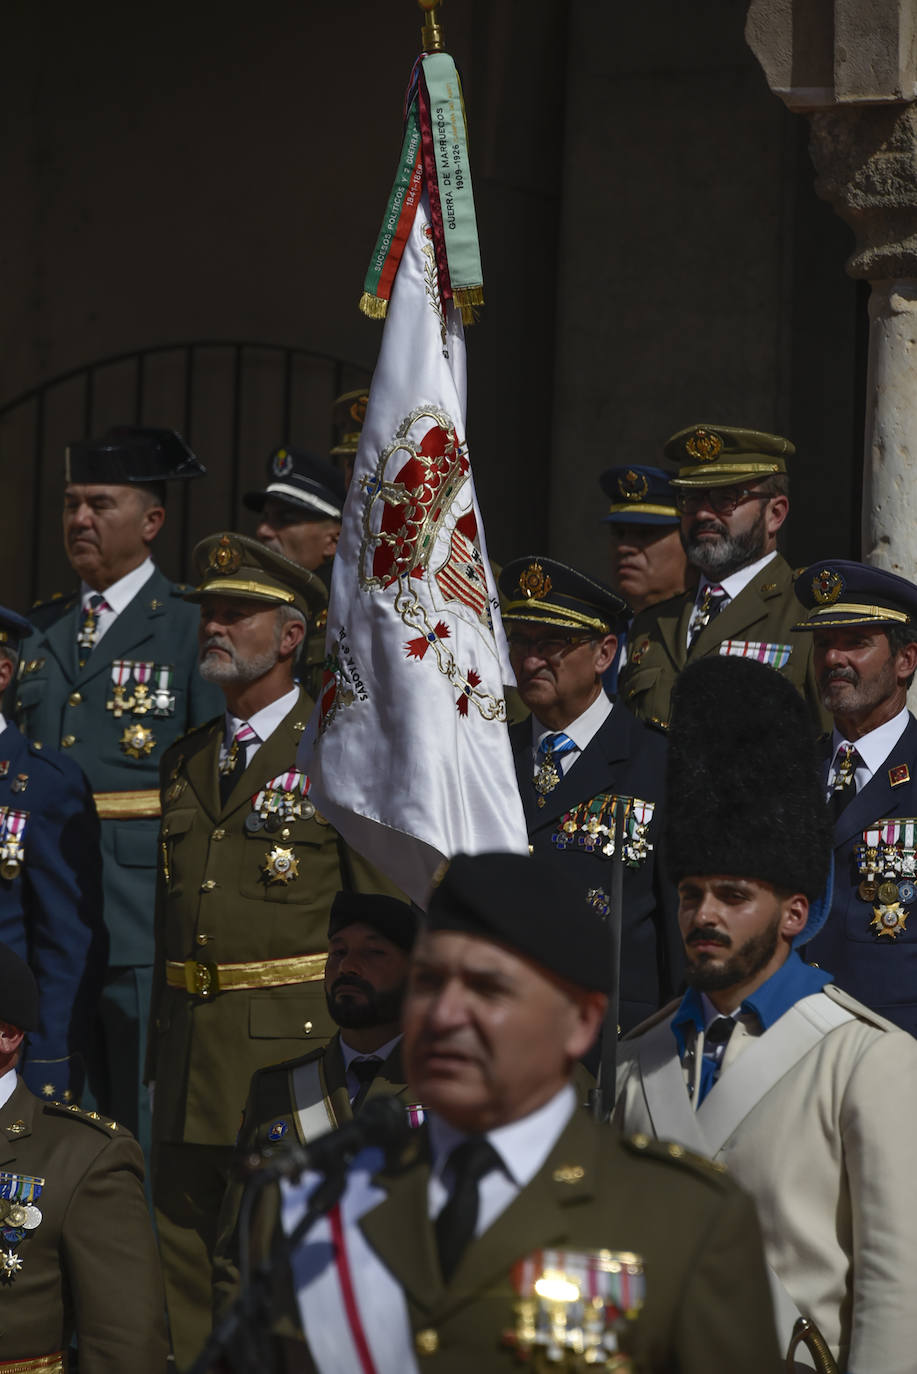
(67, 741)
(426, 1342)
(75, 698)
(37, 744)
(219, 834)
(208, 885)
(814, 965)
(307, 1027)
(201, 939)
(531, 849)
(285, 833)
(675, 1151)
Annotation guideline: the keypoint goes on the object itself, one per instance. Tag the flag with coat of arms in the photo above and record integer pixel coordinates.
(407, 750)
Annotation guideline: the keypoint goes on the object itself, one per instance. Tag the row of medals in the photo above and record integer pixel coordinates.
(137, 741)
(16, 1219)
(276, 810)
(882, 886)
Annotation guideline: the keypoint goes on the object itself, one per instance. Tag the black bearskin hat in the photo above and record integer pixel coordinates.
(744, 792)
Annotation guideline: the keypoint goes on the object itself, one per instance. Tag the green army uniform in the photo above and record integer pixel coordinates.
(757, 623)
(276, 1113)
(119, 748)
(707, 1307)
(88, 1265)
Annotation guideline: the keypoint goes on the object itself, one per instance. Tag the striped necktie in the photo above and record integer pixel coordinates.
(712, 600)
(547, 772)
(232, 763)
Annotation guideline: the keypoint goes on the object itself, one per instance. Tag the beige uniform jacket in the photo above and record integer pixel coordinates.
(277, 1114)
(826, 1154)
(215, 905)
(762, 614)
(90, 1265)
(708, 1307)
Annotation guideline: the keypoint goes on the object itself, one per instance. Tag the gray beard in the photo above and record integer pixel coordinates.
(731, 551)
(235, 670)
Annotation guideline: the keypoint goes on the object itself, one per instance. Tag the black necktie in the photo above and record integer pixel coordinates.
(845, 787)
(716, 1038)
(455, 1224)
(364, 1071)
(86, 636)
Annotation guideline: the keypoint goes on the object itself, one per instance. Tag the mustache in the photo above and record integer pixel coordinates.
(216, 642)
(839, 675)
(706, 526)
(708, 937)
(350, 980)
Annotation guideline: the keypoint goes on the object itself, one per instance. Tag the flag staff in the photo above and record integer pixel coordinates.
(431, 34)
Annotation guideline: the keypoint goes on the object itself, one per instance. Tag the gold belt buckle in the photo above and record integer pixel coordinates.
(201, 980)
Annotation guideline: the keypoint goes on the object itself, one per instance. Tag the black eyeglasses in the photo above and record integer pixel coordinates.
(553, 646)
(721, 500)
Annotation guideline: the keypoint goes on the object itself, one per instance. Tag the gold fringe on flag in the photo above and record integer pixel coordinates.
(373, 306)
(467, 298)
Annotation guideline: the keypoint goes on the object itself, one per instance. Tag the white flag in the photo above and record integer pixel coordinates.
(407, 751)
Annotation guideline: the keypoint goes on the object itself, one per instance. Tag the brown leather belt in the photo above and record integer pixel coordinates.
(201, 979)
(42, 1364)
(126, 805)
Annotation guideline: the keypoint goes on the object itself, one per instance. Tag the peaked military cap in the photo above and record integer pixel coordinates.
(744, 790)
(13, 627)
(397, 921)
(131, 454)
(544, 590)
(18, 991)
(525, 903)
(840, 592)
(347, 416)
(721, 455)
(639, 496)
(233, 565)
(301, 479)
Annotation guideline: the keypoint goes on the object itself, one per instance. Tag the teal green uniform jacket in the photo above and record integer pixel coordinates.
(66, 707)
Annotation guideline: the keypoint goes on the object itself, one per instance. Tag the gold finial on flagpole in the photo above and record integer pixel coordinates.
(431, 34)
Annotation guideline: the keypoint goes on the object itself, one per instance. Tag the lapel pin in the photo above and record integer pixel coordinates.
(899, 774)
(569, 1173)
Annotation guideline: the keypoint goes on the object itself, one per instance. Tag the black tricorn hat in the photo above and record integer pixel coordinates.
(131, 454)
(744, 795)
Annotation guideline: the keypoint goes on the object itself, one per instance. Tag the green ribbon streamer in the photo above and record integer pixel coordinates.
(453, 172)
(409, 150)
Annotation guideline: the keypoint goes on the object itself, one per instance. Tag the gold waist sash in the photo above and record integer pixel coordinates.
(115, 805)
(202, 979)
(42, 1364)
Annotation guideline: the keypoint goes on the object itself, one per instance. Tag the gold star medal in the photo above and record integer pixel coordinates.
(10, 1264)
(889, 918)
(137, 741)
(280, 865)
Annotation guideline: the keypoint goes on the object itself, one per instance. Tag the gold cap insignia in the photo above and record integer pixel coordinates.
(704, 445)
(534, 582)
(282, 464)
(827, 586)
(633, 486)
(225, 557)
(18, 1128)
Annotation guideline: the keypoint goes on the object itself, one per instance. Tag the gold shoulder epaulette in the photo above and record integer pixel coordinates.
(668, 1151)
(75, 1113)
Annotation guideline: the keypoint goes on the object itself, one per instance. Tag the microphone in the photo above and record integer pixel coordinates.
(382, 1122)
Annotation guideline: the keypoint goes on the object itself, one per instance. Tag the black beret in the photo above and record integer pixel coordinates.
(744, 791)
(18, 991)
(524, 903)
(397, 921)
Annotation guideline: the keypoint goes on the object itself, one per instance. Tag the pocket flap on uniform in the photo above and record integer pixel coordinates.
(177, 822)
(135, 844)
(638, 680)
(280, 1018)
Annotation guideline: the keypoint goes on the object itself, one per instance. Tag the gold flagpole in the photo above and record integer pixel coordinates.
(431, 35)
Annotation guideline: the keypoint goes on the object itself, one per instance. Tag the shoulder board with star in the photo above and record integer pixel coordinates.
(180, 589)
(105, 1124)
(668, 1152)
(44, 614)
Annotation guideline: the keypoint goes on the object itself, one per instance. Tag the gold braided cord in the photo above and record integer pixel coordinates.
(554, 615)
(263, 973)
(260, 590)
(139, 802)
(42, 1364)
(870, 613)
(643, 508)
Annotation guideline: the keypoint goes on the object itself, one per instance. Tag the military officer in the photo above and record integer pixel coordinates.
(732, 491)
(370, 936)
(348, 415)
(248, 874)
(580, 757)
(300, 512)
(50, 890)
(78, 1256)
(765, 1065)
(442, 1261)
(110, 676)
(863, 625)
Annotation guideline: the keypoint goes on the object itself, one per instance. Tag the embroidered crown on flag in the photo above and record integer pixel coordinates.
(434, 158)
(407, 751)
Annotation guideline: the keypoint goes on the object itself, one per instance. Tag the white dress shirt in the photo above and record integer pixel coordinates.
(732, 585)
(7, 1087)
(523, 1147)
(873, 749)
(117, 597)
(581, 731)
(263, 722)
(353, 1083)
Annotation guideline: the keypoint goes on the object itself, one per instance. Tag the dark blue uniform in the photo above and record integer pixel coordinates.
(65, 706)
(625, 758)
(51, 905)
(880, 970)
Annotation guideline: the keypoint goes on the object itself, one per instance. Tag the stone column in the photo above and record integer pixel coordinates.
(851, 66)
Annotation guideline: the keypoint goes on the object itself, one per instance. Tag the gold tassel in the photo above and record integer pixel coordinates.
(469, 314)
(469, 295)
(373, 306)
